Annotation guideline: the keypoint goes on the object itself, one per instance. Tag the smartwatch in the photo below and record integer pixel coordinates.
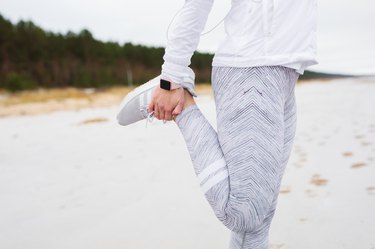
(168, 85)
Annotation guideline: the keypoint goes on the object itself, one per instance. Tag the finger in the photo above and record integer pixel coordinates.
(156, 111)
(161, 113)
(168, 115)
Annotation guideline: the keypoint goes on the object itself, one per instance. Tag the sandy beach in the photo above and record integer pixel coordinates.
(72, 178)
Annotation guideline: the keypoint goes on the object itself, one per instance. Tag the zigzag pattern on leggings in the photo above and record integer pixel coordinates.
(240, 166)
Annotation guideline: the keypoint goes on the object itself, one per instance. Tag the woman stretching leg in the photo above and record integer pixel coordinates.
(268, 43)
(241, 165)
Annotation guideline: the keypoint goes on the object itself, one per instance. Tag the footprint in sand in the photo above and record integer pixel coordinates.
(366, 143)
(285, 190)
(297, 165)
(301, 157)
(318, 181)
(371, 190)
(359, 136)
(298, 152)
(310, 193)
(358, 165)
(347, 154)
(303, 219)
(93, 120)
(302, 154)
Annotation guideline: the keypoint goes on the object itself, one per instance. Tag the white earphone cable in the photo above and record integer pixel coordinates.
(202, 34)
(210, 30)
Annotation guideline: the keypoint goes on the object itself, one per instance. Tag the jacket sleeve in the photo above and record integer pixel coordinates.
(183, 40)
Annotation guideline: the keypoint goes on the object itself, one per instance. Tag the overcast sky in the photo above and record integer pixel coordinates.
(346, 31)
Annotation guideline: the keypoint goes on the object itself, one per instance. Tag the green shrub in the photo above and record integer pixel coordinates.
(16, 82)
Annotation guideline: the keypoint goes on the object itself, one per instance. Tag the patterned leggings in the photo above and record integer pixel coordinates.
(240, 166)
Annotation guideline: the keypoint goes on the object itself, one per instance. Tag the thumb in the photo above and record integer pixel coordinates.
(151, 106)
(178, 109)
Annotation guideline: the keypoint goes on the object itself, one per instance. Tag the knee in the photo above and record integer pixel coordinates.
(244, 215)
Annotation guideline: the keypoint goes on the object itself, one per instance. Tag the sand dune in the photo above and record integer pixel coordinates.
(44, 101)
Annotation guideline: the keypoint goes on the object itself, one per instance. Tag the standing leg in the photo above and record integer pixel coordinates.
(240, 166)
(245, 240)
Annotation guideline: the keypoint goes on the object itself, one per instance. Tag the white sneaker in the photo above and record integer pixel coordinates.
(134, 106)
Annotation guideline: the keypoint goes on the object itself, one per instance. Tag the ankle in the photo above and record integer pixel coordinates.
(189, 100)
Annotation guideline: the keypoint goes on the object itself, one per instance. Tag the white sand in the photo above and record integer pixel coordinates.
(99, 185)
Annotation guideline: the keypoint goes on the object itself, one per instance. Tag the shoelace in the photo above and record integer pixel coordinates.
(150, 117)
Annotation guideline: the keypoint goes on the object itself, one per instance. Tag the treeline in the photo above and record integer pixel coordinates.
(31, 57)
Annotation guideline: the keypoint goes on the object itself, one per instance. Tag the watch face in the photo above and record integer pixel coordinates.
(164, 84)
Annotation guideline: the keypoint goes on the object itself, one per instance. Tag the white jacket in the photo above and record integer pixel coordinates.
(258, 33)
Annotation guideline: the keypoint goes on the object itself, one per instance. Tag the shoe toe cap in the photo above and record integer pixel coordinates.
(128, 115)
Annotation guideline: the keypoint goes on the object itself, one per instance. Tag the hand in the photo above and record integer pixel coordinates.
(167, 104)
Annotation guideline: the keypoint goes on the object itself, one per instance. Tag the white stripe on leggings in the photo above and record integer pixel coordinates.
(214, 180)
(215, 166)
